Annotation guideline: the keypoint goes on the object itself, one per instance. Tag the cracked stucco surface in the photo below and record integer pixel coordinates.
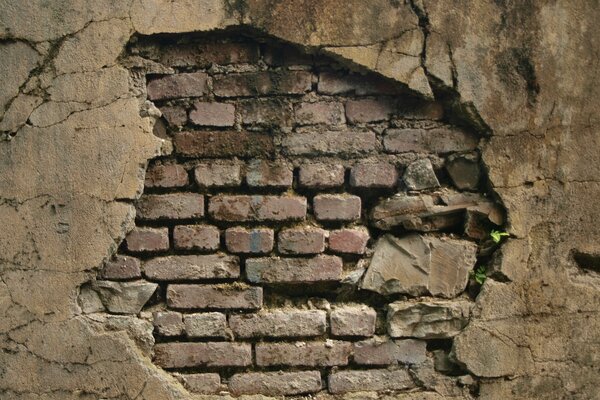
(79, 148)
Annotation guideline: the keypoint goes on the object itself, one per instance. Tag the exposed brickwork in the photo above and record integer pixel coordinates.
(276, 383)
(257, 208)
(121, 268)
(309, 354)
(353, 321)
(374, 175)
(166, 176)
(301, 241)
(353, 241)
(321, 176)
(142, 240)
(294, 270)
(218, 175)
(213, 114)
(223, 297)
(212, 354)
(192, 267)
(170, 206)
(279, 323)
(336, 207)
(196, 237)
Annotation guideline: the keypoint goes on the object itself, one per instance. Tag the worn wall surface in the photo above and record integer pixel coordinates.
(78, 141)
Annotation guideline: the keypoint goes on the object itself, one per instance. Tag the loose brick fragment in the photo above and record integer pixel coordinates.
(240, 208)
(279, 323)
(175, 115)
(374, 176)
(193, 267)
(336, 207)
(196, 237)
(218, 175)
(213, 114)
(322, 268)
(203, 325)
(321, 176)
(275, 383)
(310, 354)
(223, 144)
(369, 110)
(121, 268)
(322, 112)
(262, 83)
(214, 296)
(369, 380)
(249, 241)
(306, 240)
(384, 351)
(274, 174)
(209, 383)
(353, 321)
(351, 241)
(420, 175)
(428, 319)
(437, 140)
(211, 354)
(170, 206)
(331, 143)
(141, 240)
(178, 86)
(168, 323)
(166, 176)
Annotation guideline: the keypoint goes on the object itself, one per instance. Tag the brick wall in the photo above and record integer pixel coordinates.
(312, 230)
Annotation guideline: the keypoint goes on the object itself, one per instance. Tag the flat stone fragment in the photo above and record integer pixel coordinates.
(369, 380)
(431, 212)
(322, 268)
(124, 297)
(279, 323)
(464, 171)
(230, 296)
(210, 354)
(275, 383)
(194, 267)
(418, 265)
(420, 175)
(428, 319)
(384, 351)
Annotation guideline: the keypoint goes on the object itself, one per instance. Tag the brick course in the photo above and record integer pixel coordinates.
(222, 297)
(308, 354)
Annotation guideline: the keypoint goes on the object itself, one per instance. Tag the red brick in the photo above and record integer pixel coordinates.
(121, 268)
(213, 114)
(351, 241)
(369, 380)
(221, 174)
(235, 296)
(262, 83)
(309, 354)
(266, 112)
(336, 207)
(378, 351)
(275, 383)
(223, 144)
(211, 354)
(373, 175)
(279, 323)
(206, 54)
(170, 206)
(369, 110)
(321, 176)
(436, 140)
(166, 176)
(178, 86)
(334, 83)
(306, 240)
(353, 321)
(175, 115)
(330, 113)
(331, 143)
(141, 240)
(322, 268)
(241, 208)
(209, 383)
(168, 323)
(192, 267)
(276, 174)
(203, 325)
(196, 237)
(249, 241)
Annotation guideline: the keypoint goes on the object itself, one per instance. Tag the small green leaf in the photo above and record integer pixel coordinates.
(479, 275)
(497, 235)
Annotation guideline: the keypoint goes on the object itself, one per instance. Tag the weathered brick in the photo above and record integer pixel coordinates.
(353, 321)
(279, 323)
(196, 237)
(275, 383)
(235, 296)
(369, 110)
(334, 83)
(412, 108)
(141, 240)
(249, 241)
(209, 383)
(175, 115)
(210, 266)
(341, 143)
(321, 176)
(178, 86)
(203, 325)
(380, 351)
(266, 112)
(262, 83)
(211, 354)
(166, 176)
(310, 354)
(121, 268)
(263, 173)
(170, 206)
(436, 140)
(239, 208)
(215, 175)
(369, 380)
(351, 241)
(321, 268)
(420, 175)
(223, 144)
(373, 175)
(322, 112)
(213, 114)
(168, 323)
(206, 54)
(306, 240)
(336, 207)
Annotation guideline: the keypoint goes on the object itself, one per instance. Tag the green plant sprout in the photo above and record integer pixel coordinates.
(479, 275)
(497, 235)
